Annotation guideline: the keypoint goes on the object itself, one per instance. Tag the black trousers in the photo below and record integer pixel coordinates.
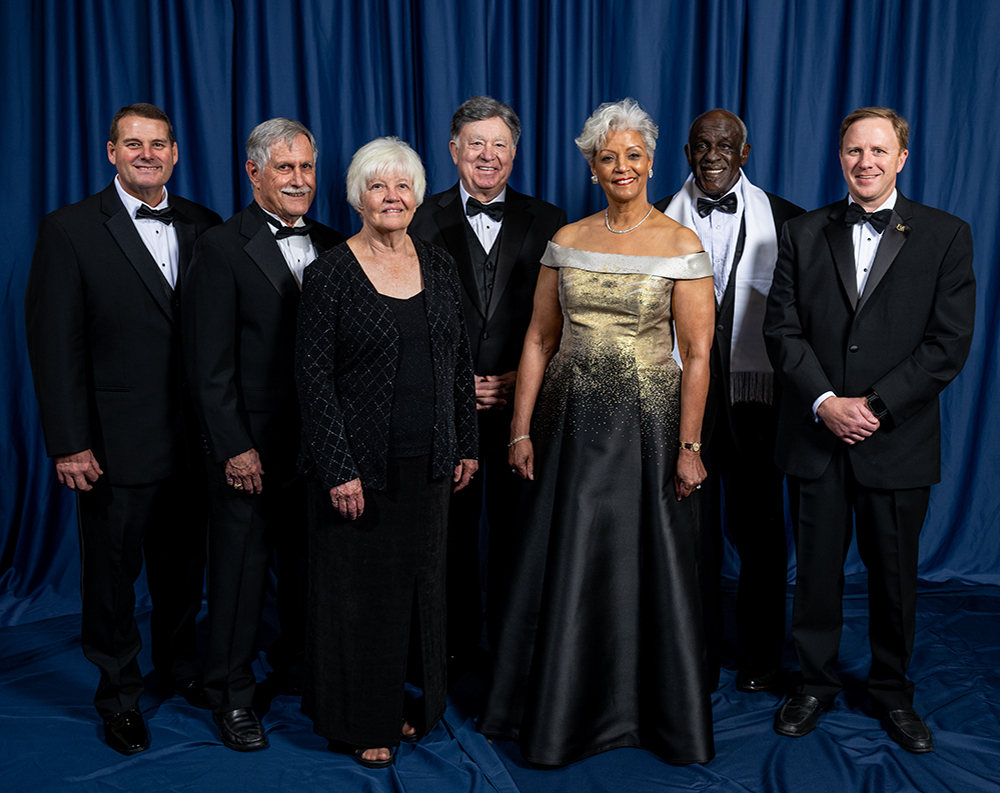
(755, 513)
(117, 523)
(888, 527)
(464, 581)
(243, 531)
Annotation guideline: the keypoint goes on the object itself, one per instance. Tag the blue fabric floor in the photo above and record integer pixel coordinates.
(50, 736)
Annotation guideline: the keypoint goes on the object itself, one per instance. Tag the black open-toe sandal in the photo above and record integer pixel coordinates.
(374, 763)
(413, 737)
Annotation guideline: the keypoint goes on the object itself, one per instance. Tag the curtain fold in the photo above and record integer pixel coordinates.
(355, 70)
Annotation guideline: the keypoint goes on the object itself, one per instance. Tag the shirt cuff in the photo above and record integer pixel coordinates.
(819, 401)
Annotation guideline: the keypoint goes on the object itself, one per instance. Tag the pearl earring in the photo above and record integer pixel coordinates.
(650, 173)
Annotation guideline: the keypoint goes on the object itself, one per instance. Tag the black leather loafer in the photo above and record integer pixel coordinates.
(907, 729)
(125, 732)
(755, 684)
(799, 715)
(191, 690)
(241, 730)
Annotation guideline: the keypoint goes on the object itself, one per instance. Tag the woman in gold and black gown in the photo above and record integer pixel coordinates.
(603, 641)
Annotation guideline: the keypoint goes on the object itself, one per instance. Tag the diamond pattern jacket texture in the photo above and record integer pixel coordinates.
(346, 357)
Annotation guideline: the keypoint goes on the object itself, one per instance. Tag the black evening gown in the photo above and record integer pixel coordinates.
(603, 642)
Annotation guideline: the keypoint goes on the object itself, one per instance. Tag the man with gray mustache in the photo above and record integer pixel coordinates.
(240, 310)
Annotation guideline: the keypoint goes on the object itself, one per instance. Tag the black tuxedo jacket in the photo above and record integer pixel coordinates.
(906, 337)
(782, 211)
(240, 307)
(104, 337)
(496, 331)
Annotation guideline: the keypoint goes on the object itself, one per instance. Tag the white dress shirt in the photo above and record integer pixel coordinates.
(299, 252)
(718, 232)
(866, 240)
(486, 228)
(159, 238)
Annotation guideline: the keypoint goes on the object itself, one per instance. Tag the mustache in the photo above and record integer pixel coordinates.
(296, 193)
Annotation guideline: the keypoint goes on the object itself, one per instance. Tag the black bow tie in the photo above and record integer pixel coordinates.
(725, 204)
(879, 220)
(473, 207)
(283, 232)
(165, 216)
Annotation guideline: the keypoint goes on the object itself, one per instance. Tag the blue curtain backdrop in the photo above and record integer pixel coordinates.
(355, 70)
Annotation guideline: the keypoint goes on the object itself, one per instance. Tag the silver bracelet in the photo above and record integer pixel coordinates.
(518, 438)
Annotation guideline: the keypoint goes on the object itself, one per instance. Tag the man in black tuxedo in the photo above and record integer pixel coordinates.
(869, 318)
(104, 343)
(739, 226)
(496, 236)
(240, 309)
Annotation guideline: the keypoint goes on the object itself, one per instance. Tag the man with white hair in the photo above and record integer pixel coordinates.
(240, 310)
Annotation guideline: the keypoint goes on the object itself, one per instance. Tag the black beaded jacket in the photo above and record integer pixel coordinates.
(346, 358)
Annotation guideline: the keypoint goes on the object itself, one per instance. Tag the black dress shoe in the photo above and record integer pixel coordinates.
(241, 730)
(125, 732)
(799, 715)
(754, 684)
(190, 688)
(907, 729)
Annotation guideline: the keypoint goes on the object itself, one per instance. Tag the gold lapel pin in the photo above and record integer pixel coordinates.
(900, 227)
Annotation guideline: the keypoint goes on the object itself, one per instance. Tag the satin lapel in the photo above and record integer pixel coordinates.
(517, 219)
(185, 229)
(263, 250)
(842, 248)
(123, 230)
(451, 220)
(893, 237)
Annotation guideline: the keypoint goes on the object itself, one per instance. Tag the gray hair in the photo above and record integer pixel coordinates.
(616, 117)
(482, 108)
(744, 135)
(384, 157)
(269, 132)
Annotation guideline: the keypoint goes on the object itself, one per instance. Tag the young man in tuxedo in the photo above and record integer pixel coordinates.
(870, 316)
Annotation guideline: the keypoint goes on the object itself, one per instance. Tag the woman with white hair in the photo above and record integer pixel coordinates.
(384, 375)
(603, 644)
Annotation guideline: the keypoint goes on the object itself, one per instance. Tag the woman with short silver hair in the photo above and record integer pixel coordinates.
(384, 373)
(603, 641)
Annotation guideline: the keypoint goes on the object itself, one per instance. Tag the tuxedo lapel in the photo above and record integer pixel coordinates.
(893, 237)
(184, 226)
(263, 249)
(451, 220)
(842, 248)
(123, 230)
(517, 219)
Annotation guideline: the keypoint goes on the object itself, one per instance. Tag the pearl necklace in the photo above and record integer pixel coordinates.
(607, 222)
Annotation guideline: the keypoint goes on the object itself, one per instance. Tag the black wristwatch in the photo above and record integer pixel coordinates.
(877, 406)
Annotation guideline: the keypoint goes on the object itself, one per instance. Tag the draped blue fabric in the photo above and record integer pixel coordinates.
(354, 70)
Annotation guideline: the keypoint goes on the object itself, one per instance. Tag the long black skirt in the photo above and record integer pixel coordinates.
(371, 581)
